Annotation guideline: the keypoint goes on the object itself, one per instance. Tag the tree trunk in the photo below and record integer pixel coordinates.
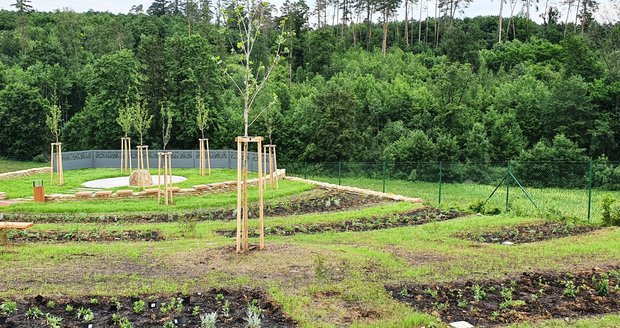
(570, 4)
(385, 32)
(368, 20)
(420, 22)
(436, 23)
(501, 19)
(576, 16)
(406, 22)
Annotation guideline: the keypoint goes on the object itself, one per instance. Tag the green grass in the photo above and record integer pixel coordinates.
(7, 165)
(356, 264)
(22, 187)
(149, 204)
(550, 201)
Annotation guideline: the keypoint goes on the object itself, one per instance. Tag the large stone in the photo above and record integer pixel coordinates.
(140, 175)
(460, 324)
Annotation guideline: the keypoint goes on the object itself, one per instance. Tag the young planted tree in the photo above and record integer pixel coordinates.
(52, 120)
(166, 124)
(125, 120)
(202, 118)
(251, 18)
(142, 122)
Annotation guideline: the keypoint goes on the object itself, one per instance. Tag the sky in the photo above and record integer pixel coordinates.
(477, 8)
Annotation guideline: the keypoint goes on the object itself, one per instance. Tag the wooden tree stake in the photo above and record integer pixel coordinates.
(143, 156)
(205, 158)
(56, 156)
(242, 193)
(166, 158)
(126, 155)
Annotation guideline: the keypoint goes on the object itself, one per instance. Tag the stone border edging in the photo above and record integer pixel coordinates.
(362, 191)
(24, 173)
(211, 188)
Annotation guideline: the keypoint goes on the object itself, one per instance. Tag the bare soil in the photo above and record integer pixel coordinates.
(531, 233)
(415, 217)
(185, 310)
(530, 296)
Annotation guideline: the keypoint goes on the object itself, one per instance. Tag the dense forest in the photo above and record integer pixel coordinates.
(355, 83)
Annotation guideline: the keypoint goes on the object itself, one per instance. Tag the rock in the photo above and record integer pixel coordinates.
(508, 243)
(2, 195)
(478, 214)
(460, 324)
(140, 175)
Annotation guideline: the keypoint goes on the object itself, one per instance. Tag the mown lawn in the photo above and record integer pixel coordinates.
(149, 204)
(22, 187)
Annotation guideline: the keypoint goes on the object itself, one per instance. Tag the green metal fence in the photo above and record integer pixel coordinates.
(563, 189)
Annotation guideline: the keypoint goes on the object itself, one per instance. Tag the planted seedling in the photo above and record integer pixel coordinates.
(569, 289)
(34, 313)
(85, 314)
(69, 308)
(7, 308)
(208, 320)
(196, 311)
(50, 304)
(254, 307)
(53, 321)
(125, 323)
(404, 292)
(139, 306)
(253, 319)
(601, 285)
(226, 308)
(169, 324)
(219, 297)
(479, 293)
(94, 301)
(431, 293)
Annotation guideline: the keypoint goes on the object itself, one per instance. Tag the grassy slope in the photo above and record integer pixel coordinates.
(323, 280)
(10, 165)
(567, 202)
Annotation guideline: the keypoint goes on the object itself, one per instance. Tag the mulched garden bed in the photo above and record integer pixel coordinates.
(531, 296)
(520, 234)
(416, 217)
(84, 236)
(316, 201)
(233, 310)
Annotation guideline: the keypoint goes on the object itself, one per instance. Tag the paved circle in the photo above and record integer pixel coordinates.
(123, 182)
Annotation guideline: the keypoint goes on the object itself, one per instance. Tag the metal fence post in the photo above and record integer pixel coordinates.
(383, 176)
(305, 170)
(339, 173)
(440, 178)
(590, 178)
(507, 187)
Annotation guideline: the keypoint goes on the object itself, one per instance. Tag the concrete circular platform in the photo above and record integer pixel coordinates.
(123, 182)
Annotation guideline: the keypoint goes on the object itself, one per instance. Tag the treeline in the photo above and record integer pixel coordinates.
(345, 92)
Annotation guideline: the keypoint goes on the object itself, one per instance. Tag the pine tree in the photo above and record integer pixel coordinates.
(159, 8)
(23, 6)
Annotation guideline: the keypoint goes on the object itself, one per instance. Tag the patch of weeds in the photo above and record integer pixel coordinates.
(320, 271)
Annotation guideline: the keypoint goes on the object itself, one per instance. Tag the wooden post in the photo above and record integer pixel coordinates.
(265, 165)
(125, 154)
(201, 156)
(170, 177)
(159, 157)
(143, 154)
(208, 157)
(260, 197)
(56, 154)
(239, 154)
(270, 167)
(275, 166)
(243, 147)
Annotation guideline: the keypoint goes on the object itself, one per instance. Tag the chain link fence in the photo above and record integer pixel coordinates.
(553, 189)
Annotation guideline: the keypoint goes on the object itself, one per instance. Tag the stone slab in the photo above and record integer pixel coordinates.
(460, 324)
(103, 194)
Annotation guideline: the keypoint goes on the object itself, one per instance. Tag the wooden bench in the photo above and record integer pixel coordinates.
(5, 226)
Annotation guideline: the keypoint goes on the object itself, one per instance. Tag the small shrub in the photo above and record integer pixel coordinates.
(569, 289)
(601, 285)
(611, 211)
(53, 321)
(125, 323)
(253, 319)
